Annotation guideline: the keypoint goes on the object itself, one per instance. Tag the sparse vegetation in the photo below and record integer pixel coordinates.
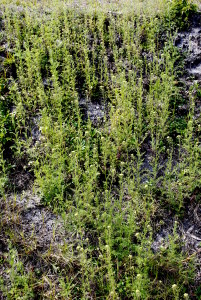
(91, 123)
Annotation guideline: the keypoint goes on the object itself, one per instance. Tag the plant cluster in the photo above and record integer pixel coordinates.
(110, 181)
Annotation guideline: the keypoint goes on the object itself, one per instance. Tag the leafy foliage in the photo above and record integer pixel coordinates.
(95, 99)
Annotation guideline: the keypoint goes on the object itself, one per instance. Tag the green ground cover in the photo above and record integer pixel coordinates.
(117, 179)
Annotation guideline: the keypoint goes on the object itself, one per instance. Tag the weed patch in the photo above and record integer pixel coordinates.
(100, 118)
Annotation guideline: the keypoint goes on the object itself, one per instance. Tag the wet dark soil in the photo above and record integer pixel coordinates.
(190, 43)
(94, 111)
